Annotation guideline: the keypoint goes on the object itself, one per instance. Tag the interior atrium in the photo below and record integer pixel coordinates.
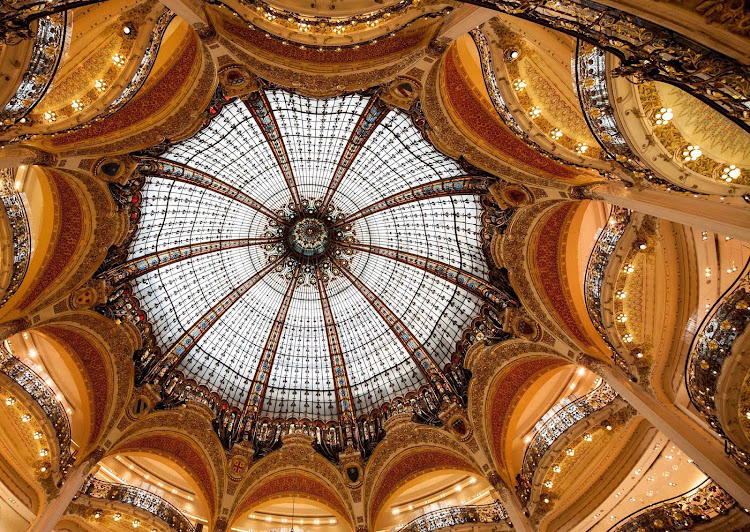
(374, 266)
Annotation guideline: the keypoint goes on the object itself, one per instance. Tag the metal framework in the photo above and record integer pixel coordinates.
(356, 322)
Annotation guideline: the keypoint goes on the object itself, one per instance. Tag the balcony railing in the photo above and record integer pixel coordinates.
(19, 227)
(596, 270)
(49, 43)
(554, 427)
(711, 348)
(593, 95)
(647, 50)
(699, 505)
(457, 515)
(45, 398)
(498, 102)
(140, 498)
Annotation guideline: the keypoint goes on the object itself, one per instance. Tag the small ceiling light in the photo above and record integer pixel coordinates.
(627, 338)
(97, 514)
(546, 500)
(118, 59)
(535, 112)
(513, 54)
(77, 105)
(23, 120)
(639, 354)
(396, 511)
(136, 522)
(556, 468)
(100, 85)
(117, 516)
(26, 418)
(570, 452)
(663, 117)
(556, 134)
(548, 484)
(127, 30)
(691, 153)
(38, 435)
(581, 147)
(43, 469)
(10, 401)
(519, 85)
(587, 437)
(628, 267)
(621, 318)
(730, 173)
(621, 294)
(43, 452)
(50, 116)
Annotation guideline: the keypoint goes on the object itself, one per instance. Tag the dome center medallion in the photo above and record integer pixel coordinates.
(309, 237)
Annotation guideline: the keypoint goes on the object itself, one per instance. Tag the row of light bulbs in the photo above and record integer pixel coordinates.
(100, 85)
(98, 514)
(693, 152)
(587, 437)
(38, 435)
(457, 488)
(535, 112)
(285, 520)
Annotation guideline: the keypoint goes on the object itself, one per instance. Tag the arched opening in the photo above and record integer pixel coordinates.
(431, 492)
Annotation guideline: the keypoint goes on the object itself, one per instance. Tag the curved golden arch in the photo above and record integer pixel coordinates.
(296, 482)
(409, 464)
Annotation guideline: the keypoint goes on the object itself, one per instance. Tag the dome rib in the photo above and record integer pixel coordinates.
(421, 358)
(257, 391)
(190, 337)
(368, 121)
(258, 105)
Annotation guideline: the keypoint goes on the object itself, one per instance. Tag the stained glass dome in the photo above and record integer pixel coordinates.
(309, 258)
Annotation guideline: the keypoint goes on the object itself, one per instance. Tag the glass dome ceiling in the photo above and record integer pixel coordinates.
(308, 257)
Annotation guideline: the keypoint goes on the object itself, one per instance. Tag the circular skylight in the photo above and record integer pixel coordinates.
(308, 258)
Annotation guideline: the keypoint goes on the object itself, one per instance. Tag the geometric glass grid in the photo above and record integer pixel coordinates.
(359, 319)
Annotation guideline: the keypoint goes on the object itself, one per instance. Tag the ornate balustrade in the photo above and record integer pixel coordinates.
(136, 82)
(457, 515)
(19, 226)
(711, 348)
(49, 43)
(596, 270)
(555, 427)
(647, 50)
(139, 498)
(33, 385)
(596, 104)
(498, 102)
(699, 505)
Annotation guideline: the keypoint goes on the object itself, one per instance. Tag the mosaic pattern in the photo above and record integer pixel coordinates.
(285, 262)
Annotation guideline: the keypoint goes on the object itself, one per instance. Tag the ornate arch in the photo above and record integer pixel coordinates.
(500, 377)
(276, 470)
(100, 353)
(468, 108)
(78, 225)
(186, 438)
(183, 77)
(407, 452)
(293, 482)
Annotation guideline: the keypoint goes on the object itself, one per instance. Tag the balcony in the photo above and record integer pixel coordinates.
(699, 505)
(138, 498)
(459, 515)
(43, 395)
(562, 420)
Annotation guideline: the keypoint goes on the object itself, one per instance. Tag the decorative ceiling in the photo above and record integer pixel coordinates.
(309, 258)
